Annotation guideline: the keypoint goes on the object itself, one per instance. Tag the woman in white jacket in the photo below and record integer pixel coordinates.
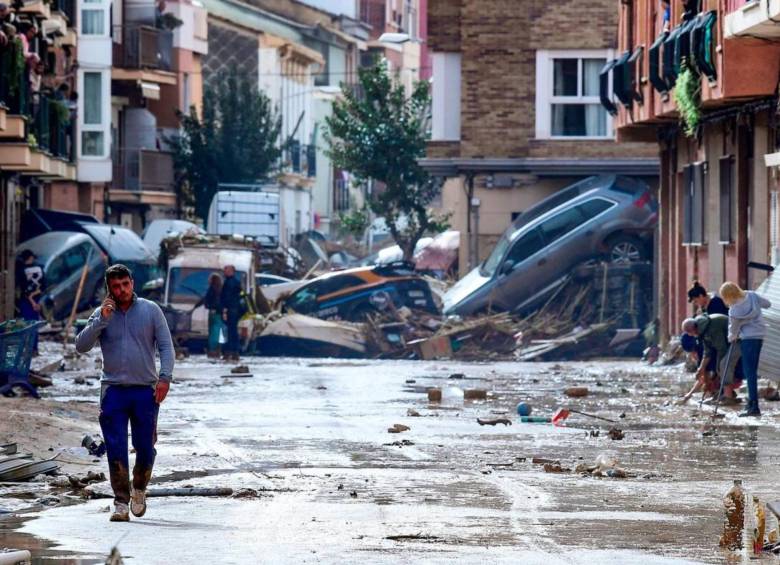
(746, 324)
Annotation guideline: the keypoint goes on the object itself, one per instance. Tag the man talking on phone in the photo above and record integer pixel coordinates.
(130, 331)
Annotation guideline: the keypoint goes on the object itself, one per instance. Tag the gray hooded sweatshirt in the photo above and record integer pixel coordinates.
(745, 318)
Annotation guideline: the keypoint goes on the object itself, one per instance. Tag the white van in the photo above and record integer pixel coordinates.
(249, 213)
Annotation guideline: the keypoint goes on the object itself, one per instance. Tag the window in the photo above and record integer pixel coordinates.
(526, 246)
(594, 207)
(93, 137)
(561, 224)
(727, 171)
(94, 15)
(57, 271)
(568, 99)
(693, 203)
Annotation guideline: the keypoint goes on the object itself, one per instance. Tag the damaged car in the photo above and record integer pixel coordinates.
(355, 294)
(606, 217)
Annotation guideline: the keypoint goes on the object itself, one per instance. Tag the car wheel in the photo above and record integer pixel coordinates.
(626, 249)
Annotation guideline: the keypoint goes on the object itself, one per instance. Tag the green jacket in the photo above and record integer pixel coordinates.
(713, 332)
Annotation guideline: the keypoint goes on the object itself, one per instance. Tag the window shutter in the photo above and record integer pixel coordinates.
(687, 190)
(697, 216)
(726, 178)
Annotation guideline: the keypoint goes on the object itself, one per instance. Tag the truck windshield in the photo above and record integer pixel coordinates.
(188, 285)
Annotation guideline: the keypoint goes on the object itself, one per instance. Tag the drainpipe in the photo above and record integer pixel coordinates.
(469, 198)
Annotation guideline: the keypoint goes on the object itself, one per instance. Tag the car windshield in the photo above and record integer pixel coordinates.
(188, 285)
(490, 265)
(142, 273)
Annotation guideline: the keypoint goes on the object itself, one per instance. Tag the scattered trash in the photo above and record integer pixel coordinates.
(412, 413)
(114, 558)
(398, 428)
(434, 395)
(576, 391)
(494, 421)
(88, 479)
(94, 445)
(563, 413)
(555, 468)
(238, 376)
(457, 376)
(523, 409)
(616, 434)
(475, 394)
(405, 537)
(399, 443)
(535, 419)
(542, 461)
(246, 493)
(769, 393)
(239, 369)
(353, 494)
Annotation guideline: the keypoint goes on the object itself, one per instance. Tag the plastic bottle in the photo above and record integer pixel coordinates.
(758, 537)
(734, 505)
(749, 532)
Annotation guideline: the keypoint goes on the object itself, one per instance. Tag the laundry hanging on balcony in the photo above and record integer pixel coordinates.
(702, 48)
(654, 64)
(605, 93)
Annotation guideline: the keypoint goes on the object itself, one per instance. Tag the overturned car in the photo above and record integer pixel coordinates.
(355, 294)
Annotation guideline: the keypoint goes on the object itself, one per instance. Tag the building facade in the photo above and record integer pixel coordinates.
(38, 85)
(516, 115)
(718, 187)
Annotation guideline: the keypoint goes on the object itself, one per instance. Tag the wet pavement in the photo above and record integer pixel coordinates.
(310, 436)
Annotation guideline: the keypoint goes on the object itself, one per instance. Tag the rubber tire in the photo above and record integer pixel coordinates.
(627, 242)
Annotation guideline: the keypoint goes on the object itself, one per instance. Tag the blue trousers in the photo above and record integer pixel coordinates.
(233, 344)
(119, 406)
(751, 351)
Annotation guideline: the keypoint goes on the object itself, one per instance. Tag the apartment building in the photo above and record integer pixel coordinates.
(718, 186)
(516, 113)
(37, 90)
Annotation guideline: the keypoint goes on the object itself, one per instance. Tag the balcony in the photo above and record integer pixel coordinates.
(52, 129)
(300, 159)
(143, 170)
(341, 199)
(754, 18)
(640, 85)
(146, 47)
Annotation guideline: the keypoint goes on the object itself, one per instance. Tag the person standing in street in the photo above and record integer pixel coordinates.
(31, 283)
(232, 310)
(130, 331)
(746, 327)
(212, 304)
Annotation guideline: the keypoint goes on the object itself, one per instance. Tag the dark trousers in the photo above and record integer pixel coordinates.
(751, 351)
(136, 405)
(232, 346)
(29, 313)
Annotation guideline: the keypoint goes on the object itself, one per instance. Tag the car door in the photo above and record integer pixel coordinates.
(517, 283)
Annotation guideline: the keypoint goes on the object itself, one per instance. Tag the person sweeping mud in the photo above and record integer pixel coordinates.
(129, 329)
(711, 332)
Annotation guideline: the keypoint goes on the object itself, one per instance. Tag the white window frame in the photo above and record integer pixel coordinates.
(104, 126)
(544, 91)
(96, 5)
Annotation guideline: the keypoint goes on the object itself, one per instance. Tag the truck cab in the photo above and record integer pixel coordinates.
(186, 282)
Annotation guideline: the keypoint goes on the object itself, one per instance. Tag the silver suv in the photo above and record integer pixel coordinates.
(606, 216)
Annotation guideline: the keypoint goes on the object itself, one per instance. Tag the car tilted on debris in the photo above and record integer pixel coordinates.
(606, 217)
(354, 294)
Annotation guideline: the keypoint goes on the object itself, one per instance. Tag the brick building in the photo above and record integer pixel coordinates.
(516, 113)
(718, 192)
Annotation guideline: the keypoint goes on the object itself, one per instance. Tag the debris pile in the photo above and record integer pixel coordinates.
(20, 467)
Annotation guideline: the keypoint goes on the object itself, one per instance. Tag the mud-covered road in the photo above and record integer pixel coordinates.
(335, 487)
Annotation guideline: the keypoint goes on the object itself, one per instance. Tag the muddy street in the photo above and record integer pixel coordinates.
(331, 484)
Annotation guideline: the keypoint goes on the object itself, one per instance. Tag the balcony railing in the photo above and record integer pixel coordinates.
(143, 169)
(147, 47)
(732, 5)
(300, 159)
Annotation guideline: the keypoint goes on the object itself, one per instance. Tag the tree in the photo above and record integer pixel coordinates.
(234, 141)
(378, 133)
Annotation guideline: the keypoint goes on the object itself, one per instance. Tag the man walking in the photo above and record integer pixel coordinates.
(129, 330)
(232, 310)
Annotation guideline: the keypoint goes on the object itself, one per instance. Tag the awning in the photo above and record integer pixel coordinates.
(455, 166)
(150, 90)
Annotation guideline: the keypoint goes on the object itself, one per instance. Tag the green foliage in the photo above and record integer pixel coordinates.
(233, 141)
(60, 110)
(687, 96)
(355, 222)
(32, 141)
(377, 132)
(169, 21)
